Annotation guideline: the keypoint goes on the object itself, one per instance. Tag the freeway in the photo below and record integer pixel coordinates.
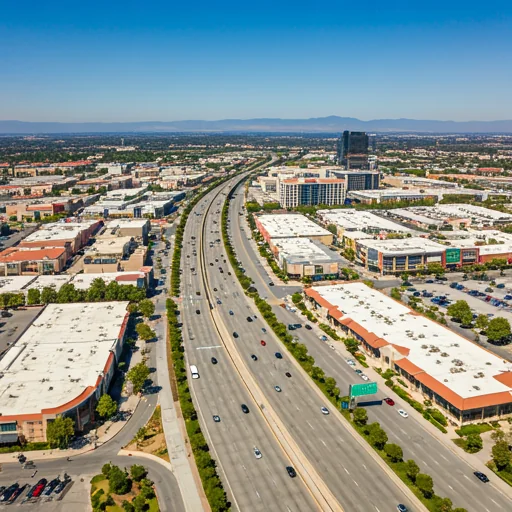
(341, 459)
(252, 484)
(452, 475)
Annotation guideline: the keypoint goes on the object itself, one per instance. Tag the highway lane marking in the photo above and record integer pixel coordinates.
(443, 457)
(323, 442)
(367, 469)
(355, 482)
(313, 428)
(466, 477)
(376, 509)
(450, 487)
(206, 348)
(403, 431)
(495, 503)
(346, 470)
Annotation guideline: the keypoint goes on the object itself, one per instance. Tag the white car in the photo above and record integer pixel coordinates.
(364, 377)
(403, 413)
(324, 410)
(350, 362)
(257, 453)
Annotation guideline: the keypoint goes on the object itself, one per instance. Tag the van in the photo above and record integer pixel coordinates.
(194, 372)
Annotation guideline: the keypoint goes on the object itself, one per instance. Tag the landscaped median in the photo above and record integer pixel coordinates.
(420, 484)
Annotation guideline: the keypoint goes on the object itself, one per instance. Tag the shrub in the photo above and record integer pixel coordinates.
(394, 452)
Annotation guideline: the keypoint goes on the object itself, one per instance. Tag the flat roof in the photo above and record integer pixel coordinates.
(305, 251)
(60, 355)
(14, 283)
(126, 223)
(59, 231)
(84, 281)
(397, 246)
(453, 361)
(359, 219)
(53, 281)
(114, 245)
(290, 225)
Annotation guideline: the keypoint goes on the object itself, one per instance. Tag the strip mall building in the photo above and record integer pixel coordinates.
(469, 383)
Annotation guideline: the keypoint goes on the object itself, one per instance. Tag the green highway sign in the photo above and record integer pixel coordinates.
(367, 388)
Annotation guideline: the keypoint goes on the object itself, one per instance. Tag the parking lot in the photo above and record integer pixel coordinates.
(13, 326)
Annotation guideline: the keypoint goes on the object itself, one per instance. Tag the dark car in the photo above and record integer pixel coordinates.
(214, 361)
(17, 492)
(279, 355)
(198, 312)
(235, 335)
(61, 486)
(219, 301)
(9, 492)
(216, 418)
(308, 327)
(271, 283)
(288, 374)
(215, 289)
(245, 409)
(249, 319)
(49, 488)
(253, 357)
(402, 508)
(291, 472)
(481, 476)
(429, 281)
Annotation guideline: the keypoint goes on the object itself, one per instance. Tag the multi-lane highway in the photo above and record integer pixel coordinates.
(452, 476)
(357, 480)
(252, 484)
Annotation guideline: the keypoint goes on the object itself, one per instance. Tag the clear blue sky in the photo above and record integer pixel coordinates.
(170, 60)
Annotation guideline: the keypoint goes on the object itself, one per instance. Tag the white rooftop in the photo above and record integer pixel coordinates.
(59, 356)
(290, 225)
(304, 250)
(115, 245)
(451, 359)
(413, 245)
(126, 223)
(14, 283)
(59, 231)
(53, 281)
(351, 220)
(84, 281)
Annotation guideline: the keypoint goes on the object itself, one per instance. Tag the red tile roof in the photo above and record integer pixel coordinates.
(14, 255)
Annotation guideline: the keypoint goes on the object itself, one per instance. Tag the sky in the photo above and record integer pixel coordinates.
(151, 60)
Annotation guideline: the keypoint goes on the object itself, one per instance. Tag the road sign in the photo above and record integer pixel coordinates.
(367, 388)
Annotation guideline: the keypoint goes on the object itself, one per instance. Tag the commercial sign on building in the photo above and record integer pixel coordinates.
(452, 256)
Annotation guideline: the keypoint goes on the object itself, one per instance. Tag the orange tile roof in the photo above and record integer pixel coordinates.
(505, 378)
(35, 255)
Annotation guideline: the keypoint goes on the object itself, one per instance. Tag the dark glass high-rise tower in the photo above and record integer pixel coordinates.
(353, 150)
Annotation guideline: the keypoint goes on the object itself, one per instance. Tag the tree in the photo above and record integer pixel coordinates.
(48, 295)
(141, 434)
(96, 291)
(145, 332)
(501, 455)
(333, 229)
(133, 308)
(118, 482)
(498, 329)
(435, 268)
(106, 407)
(412, 469)
(127, 506)
(138, 472)
(394, 452)
(139, 504)
(482, 322)
(349, 254)
(105, 469)
(352, 345)
(474, 443)
(59, 431)
(147, 308)
(296, 298)
(330, 385)
(68, 293)
(445, 505)
(33, 296)
(461, 311)
(317, 373)
(360, 416)
(425, 484)
(378, 436)
(137, 376)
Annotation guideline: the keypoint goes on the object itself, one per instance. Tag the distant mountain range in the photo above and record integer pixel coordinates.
(331, 124)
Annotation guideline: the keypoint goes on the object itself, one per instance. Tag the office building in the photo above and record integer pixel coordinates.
(311, 191)
(353, 150)
(357, 180)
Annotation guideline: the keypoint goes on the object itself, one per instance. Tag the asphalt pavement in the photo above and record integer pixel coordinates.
(452, 475)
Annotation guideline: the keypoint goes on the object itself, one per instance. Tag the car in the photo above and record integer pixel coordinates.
(271, 283)
(389, 401)
(257, 453)
(358, 371)
(412, 289)
(288, 374)
(216, 418)
(49, 488)
(214, 361)
(350, 362)
(364, 377)
(231, 312)
(279, 355)
(198, 312)
(249, 319)
(278, 389)
(429, 281)
(39, 488)
(253, 357)
(245, 409)
(215, 289)
(9, 492)
(324, 410)
(308, 327)
(235, 334)
(219, 301)
(263, 329)
(323, 337)
(402, 508)
(417, 294)
(481, 476)
(229, 273)
(403, 413)
(61, 486)
(211, 264)
(291, 472)
(263, 343)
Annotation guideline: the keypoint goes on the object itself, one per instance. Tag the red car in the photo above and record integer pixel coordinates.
(263, 342)
(39, 488)
(389, 401)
